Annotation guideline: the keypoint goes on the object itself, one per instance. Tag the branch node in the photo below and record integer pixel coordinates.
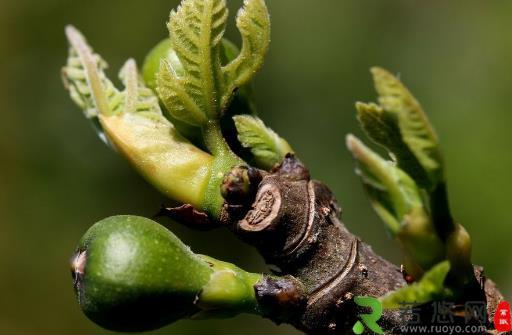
(265, 210)
(292, 168)
(281, 298)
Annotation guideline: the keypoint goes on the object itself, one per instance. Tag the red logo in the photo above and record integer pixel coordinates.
(502, 319)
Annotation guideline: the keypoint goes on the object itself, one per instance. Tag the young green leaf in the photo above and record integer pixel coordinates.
(429, 288)
(133, 122)
(415, 129)
(401, 126)
(242, 102)
(178, 101)
(397, 200)
(204, 89)
(196, 29)
(138, 98)
(392, 192)
(266, 146)
(243, 98)
(382, 127)
(151, 143)
(253, 21)
(84, 77)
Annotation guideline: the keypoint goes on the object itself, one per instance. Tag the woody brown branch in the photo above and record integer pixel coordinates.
(295, 224)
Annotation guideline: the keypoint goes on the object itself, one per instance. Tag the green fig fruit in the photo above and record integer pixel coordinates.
(132, 274)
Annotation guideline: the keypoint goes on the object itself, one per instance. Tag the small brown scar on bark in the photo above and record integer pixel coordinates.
(325, 210)
(280, 296)
(189, 216)
(364, 270)
(265, 210)
(346, 297)
(292, 168)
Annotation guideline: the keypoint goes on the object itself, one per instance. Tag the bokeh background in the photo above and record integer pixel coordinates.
(57, 178)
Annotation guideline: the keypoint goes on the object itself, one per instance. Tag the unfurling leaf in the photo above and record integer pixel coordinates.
(266, 146)
(86, 80)
(417, 149)
(392, 192)
(253, 21)
(430, 287)
(177, 99)
(196, 30)
(84, 77)
(397, 200)
(242, 101)
(204, 88)
(133, 123)
(382, 127)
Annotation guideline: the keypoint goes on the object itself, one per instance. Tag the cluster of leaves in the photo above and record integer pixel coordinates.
(189, 83)
(408, 190)
(197, 87)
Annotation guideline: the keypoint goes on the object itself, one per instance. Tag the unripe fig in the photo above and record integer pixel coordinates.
(132, 274)
(161, 51)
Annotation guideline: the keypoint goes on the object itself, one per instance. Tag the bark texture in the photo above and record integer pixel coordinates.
(295, 224)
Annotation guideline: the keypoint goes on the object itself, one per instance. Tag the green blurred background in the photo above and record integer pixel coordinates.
(57, 178)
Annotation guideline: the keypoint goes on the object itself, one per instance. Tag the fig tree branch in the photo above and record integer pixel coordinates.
(187, 124)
